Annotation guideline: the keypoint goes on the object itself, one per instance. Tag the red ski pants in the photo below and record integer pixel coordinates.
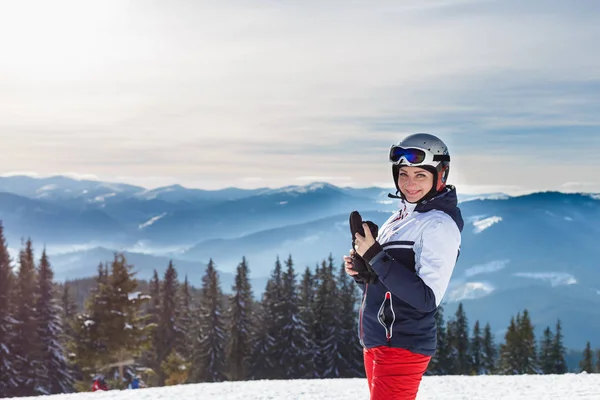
(393, 373)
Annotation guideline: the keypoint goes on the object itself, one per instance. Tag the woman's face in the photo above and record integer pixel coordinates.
(414, 183)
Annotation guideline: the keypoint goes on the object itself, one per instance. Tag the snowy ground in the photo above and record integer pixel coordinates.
(541, 387)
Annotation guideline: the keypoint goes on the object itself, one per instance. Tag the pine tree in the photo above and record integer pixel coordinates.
(176, 369)
(8, 377)
(527, 348)
(477, 351)
(324, 329)
(558, 351)
(239, 343)
(305, 368)
(127, 332)
(68, 317)
(597, 361)
(441, 361)
(490, 353)
(509, 363)
(90, 344)
(587, 363)
(545, 354)
(209, 355)
(168, 317)
(276, 306)
(27, 340)
(459, 335)
(268, 347)
(53, 372)
(68, 311)
(293, 351)
(112, 331)
(149, 358)
(185, 341)
(349, 359)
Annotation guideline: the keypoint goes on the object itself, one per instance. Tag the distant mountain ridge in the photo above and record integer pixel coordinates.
(535, 251)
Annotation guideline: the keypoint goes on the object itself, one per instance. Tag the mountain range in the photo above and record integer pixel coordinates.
(536, 251)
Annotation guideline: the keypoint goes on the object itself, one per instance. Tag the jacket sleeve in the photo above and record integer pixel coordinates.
(435, 257)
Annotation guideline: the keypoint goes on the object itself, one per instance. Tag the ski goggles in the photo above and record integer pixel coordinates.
(414, 156)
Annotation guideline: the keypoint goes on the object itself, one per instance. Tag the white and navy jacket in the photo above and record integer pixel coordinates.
(414, 257)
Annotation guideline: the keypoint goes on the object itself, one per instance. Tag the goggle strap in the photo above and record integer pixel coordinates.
(441, 157)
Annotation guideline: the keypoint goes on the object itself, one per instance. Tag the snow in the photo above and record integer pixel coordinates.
(485, 223)
(134, 295)
(530, 387)
(46, 188)
(103, 197)
(151, 220)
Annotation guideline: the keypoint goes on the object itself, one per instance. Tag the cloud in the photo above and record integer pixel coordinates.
(216, 92)
(554, 278)
(469, 290)
(490, 267)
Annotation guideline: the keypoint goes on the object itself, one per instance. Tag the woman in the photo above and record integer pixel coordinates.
(412, 259)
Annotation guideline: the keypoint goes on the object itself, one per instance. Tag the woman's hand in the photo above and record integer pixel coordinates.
(349, 264)
(363, 243)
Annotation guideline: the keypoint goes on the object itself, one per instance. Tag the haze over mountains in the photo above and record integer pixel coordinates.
(535, 251)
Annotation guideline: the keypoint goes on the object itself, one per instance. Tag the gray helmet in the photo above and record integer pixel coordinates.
(422, 150)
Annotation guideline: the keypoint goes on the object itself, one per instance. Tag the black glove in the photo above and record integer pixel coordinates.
(365, 272)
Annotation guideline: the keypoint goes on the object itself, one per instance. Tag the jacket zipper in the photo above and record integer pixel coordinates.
(388, 332)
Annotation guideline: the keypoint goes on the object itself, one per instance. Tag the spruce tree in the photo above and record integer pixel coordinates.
(168, 318)
(239, 345)
(68, 318)
(185, 340)
(112, 332)
(349, 359)
(490, 353)
(8, 377)
(268, 347)
(127, 329)
(597, 361)
(293, 351)
(460, 343)
(323, 327)
(149, 357)
(441, 362)
(477, 351)
(90, 344)
(545, 354)
(53, 372)
(262, 364)
(209, 355)
(587, 363)
(26, 343)
(68, 311)
(527, 348)
(559, 351)
(306, 294)
(509, 363)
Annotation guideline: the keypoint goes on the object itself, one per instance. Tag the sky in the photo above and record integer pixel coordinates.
(274, 93)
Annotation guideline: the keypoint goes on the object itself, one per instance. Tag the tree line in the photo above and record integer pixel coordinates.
(303, 326)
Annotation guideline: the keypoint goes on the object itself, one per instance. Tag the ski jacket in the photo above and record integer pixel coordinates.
(415, 254)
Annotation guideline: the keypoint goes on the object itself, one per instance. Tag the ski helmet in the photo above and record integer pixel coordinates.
(425, 151)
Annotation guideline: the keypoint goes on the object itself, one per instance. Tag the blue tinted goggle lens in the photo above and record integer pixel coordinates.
(413, 156)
